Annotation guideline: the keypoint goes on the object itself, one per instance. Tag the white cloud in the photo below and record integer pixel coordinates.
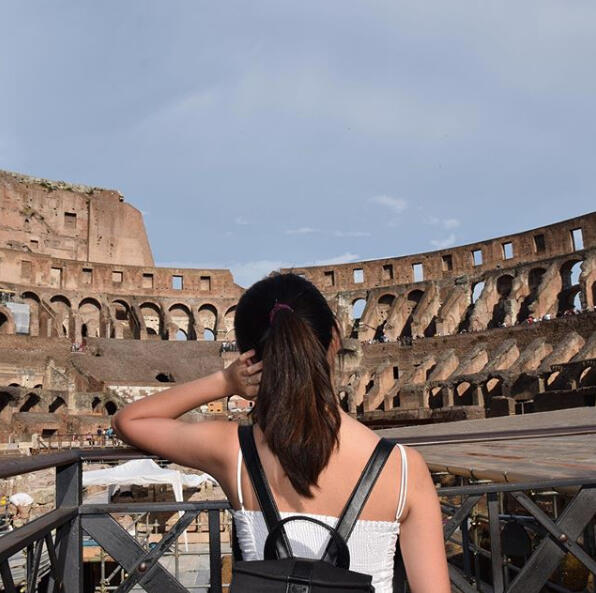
(351, 233)
(443, 243)
(398, 205)
(344, 258)
(305, 230)
(446, 223)
(241, 220)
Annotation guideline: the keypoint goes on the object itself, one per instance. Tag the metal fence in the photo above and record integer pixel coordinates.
(487, 554)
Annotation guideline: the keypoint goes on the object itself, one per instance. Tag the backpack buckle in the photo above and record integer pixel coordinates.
(297, 587)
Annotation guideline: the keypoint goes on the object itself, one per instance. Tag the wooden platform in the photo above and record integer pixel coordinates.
(510, 459)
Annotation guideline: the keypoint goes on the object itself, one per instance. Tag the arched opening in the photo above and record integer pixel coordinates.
(3, 324)
(5, 400)
(84, 330)
(31, 299)
(229, 323)
(95, 404)
(62, 311)
(504, 287)
(122, 316)
(477, 291)
(534, 280)
(208, 320)
(494, 387)
(384, 305)
(165, 377)
(90, 314)
(357, 309)
(435, 398)
(56, 404)
(588, 377)
(570, 291)
(463, 394)
(153, 319)
(31, 403)
(180, 314)
(414, 298)
(111, 408)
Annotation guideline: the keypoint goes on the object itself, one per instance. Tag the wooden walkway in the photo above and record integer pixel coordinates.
(511, 458)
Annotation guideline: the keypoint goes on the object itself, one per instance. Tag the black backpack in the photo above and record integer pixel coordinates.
(280, 571)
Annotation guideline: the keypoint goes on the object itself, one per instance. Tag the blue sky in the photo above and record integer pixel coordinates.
(273, 133)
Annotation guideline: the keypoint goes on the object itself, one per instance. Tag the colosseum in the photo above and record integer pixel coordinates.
(88, 322)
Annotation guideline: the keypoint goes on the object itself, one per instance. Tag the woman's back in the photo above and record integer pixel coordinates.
(373, 539)
(312, 452)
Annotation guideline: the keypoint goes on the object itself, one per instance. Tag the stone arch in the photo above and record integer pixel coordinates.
(35, 318)
(504, 286)
(122, 319)
(181, 315)
(62, 308)
(494, 386)
(207, 316)
(357, 308)
(413, 300)
(111, 408)
(384, 304)
(95, 404)
(463, 394)
(153, 318)
(208, 335)
(90, 317)
(435, 398)
(57, 404)
(6, 322)
(477, 289)
(535, 276)
(229, 323)
(587, 377)
(570, 286)
(31, 404)
(5, 408)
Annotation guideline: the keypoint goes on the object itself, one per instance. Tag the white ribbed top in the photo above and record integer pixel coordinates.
(371, 544)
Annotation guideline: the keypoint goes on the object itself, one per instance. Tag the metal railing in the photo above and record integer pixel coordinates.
(475, 528)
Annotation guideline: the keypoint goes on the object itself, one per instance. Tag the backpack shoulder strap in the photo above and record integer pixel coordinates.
(361, 492)
(261, 488)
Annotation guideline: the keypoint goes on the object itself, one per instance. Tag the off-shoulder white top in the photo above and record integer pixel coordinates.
(371, 544)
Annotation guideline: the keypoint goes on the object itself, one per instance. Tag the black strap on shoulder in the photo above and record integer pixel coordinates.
(261, 488)
(361, 492)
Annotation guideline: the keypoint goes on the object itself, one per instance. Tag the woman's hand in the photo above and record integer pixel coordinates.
(243, 377)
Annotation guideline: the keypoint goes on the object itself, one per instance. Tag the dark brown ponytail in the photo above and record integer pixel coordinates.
(296, 407)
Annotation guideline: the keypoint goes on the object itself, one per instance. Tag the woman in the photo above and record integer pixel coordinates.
(311, 450)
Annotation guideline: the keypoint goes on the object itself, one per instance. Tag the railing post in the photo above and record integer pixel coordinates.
(69, 538)
(496, 551)
(214, 552)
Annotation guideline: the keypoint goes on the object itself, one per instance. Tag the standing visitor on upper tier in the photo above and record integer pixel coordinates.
(312, 452)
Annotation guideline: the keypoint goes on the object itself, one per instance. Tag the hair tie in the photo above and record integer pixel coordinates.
(277, 307)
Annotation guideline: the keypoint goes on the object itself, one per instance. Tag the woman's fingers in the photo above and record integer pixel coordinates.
(246, 355)
(255, 368)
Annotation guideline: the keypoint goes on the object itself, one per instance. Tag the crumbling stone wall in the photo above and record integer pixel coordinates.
(427, 337)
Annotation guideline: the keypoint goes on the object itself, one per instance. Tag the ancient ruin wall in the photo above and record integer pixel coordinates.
(70, 221)
(454, 342)
(472, 259)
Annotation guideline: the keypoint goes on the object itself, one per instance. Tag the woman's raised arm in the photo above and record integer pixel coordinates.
(151, 423)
